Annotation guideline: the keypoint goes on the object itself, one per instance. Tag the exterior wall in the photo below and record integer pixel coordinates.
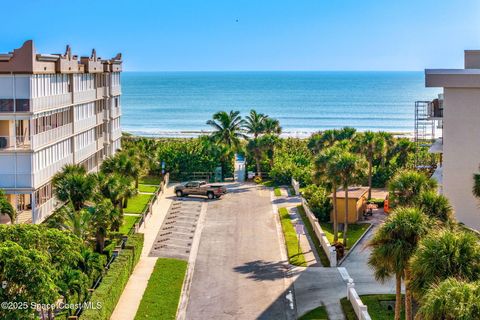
(68, 118)
(461, 152)
(355, 209)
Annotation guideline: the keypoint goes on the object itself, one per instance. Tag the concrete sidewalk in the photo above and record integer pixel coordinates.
(132, 294)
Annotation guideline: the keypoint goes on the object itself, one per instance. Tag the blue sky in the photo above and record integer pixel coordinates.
(269, 34)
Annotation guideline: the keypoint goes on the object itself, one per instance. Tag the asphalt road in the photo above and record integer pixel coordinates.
(239, 272)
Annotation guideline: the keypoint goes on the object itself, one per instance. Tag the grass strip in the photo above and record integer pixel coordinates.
(319, 313)
(138, 203)
(160, 299)
(294, 252)
(355, 231)
(316, 242)
(128, 222)
(379, 306)
(147, 188)
(153, 180)
(277, 192)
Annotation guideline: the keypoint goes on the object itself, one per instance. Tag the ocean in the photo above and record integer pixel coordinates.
(178, 104)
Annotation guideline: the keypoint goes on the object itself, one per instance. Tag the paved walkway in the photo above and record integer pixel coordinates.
(239, 173)
(132, 294)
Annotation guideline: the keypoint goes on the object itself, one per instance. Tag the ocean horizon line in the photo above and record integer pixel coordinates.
(273, 71)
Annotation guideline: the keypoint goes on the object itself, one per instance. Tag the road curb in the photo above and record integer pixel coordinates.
(187, 282)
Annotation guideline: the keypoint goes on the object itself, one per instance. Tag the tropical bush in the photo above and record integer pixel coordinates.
(110, 289)
(318, 202)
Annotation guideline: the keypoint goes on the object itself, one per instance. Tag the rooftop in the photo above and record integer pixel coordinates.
(353, 192)
(26, 60)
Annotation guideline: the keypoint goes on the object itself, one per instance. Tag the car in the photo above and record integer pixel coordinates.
(200, 188)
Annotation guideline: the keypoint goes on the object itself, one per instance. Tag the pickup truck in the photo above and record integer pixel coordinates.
(200, 188)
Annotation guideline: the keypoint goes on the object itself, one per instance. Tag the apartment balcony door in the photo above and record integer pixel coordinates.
(22, 132)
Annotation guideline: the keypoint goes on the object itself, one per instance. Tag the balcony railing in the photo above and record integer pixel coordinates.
(85, 152)
(115, 112)
(116, 134)
(9, 143)
(50, 102)
(85, 96)
(43, 175)
(50, 136)
(115, 90)
(84, 124)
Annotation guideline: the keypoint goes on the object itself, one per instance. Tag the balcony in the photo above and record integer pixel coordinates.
(85, 124)
(50, 136)
(85, 152)
(115, 90)
(84, 96)
(115, 112)
(14, 143)
(42, 176)
(435, 109)
(51, 102)
(116, 134)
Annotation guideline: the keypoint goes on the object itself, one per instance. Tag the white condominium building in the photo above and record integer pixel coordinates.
(54, 110)
(460, 148)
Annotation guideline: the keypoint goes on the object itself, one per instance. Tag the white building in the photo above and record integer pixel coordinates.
(54, 110)
(460, 114)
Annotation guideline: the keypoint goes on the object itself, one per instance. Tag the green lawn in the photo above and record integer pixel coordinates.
(319, 313)
(147, 188)
(160, 299)
(323, 256)
(138, 203)
(153, 180)
(295, 256)
(355, 231)
(277, 192)
(128, 222)
(376, 309)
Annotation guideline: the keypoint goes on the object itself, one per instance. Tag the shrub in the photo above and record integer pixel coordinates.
(110, 289)
(318, 202)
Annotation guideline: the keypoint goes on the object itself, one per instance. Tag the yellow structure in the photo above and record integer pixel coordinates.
(357, 203)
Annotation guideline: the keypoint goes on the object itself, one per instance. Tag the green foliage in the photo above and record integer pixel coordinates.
(128, 223)
(60, 263)
(151, 180)
(277, 192)
(319, 313)
(322, 255)
(257, 179)
(110, 289)
(376, 309)
(6, 207)
(406, 186)
(444, 254)
(292, 159)
(355, 231)
(435, 206)
(147, 188)
(160, 299)
(295, 255)
(74, 185)
(452, 299)
(318, 202)
(138, 203)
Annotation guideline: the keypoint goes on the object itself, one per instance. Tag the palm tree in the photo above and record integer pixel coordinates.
(350, 168)
(402, 151)
(67, 218)
(254, 123)
(118, 189)
(436, 206)
(125, 163)
(102, 217)
(444, 254)
(372, 145)
(74, 185)
(406, 187)
(270, 138)
(91, 263)
(227, 132)
(327, 170)
(451, 299)
(272, 126)
(73, 281)
(6, 207)
(393, 244)
(256, 146)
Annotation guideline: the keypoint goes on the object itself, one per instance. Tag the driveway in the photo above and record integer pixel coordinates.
(239, 272)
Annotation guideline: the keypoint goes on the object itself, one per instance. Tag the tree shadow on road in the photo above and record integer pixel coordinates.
(260, 270)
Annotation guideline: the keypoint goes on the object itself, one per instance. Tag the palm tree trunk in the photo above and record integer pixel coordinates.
(335, 215)
(408, 295)
(136, 182)
(370, 164)
(345, 225)
(272, 155)
(398, 295)
(100, 242)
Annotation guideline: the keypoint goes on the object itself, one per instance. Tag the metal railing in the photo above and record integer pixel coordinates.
(14, 142)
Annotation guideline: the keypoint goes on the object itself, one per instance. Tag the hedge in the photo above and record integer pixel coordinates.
(110, 289)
